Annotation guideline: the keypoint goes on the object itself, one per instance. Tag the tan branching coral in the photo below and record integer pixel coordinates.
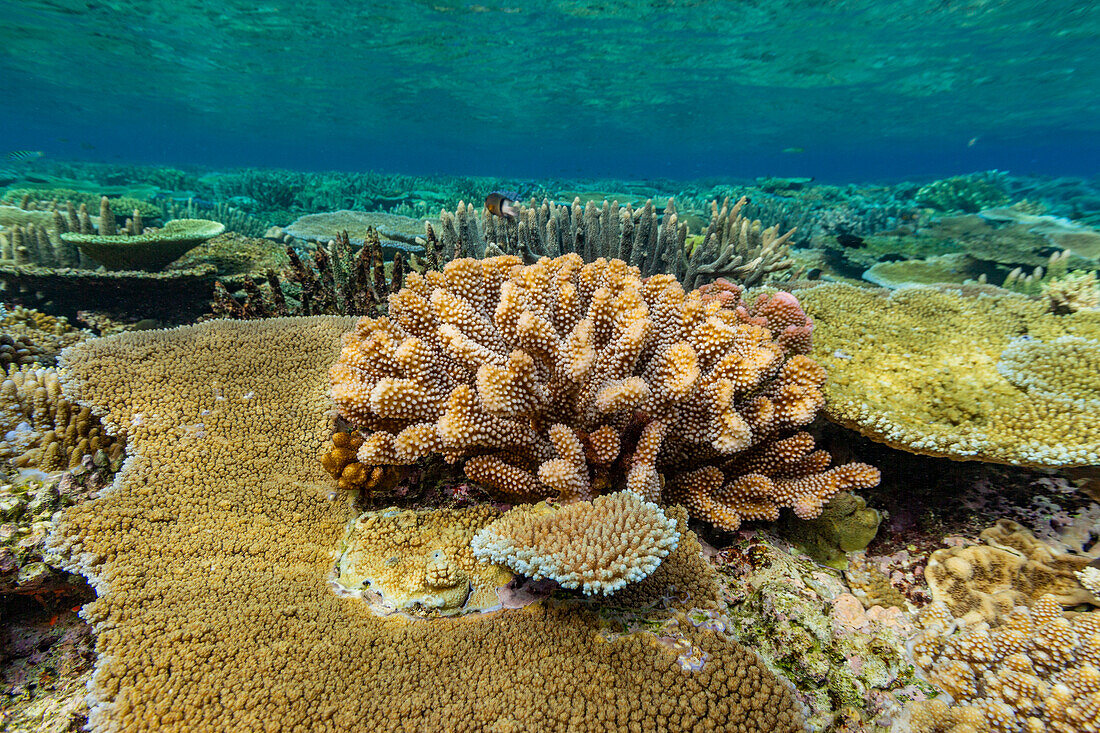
(970, 374)
(598, 546)
(43, 430)
(1035, 671)
(564, 379)
(984, 582)
(211, 553)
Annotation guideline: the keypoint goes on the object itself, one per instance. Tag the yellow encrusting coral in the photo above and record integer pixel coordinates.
(420, 560)
(562, 379)
(212, 551)
(972, 375)
(598, 546)
(984, 582)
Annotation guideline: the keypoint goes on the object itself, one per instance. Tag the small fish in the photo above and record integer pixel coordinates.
(850, 240)
(792, 151)
(501, 203)
(24, 156)
(973, 141)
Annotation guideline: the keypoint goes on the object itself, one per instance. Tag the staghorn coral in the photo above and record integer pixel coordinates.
(420, 561)
(598, 546)
(732, 246)
(565, 379)
(339, 281)
(984, 582)
(917, 369)
(1034, 671)
(210, 556)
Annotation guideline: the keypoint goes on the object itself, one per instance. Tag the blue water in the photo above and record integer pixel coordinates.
(629, 89)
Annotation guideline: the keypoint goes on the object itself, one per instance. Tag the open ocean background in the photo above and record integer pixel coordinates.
(852, 89)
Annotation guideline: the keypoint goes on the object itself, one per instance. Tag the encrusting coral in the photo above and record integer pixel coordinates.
(598, 546)
(565, 379)
(1035, 671)
(420, 560)
(967, 373)
(212, 550)
(1013, 568)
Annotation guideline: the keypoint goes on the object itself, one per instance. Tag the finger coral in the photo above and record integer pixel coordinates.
(598, 546)
(731, 246)
(1035, 671)
(211, 554)
(562, 379)
(982, 375)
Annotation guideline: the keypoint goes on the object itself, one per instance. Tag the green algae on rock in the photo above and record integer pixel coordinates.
(846, 525)
(151, 250)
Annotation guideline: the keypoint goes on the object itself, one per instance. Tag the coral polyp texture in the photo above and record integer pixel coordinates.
(598, 546)
(562, 379)
(211, 556)
(1035, 671)
(967, 373)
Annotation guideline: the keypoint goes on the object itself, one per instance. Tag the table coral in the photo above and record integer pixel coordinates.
(211, 553)
(917, 369)
(598, 546)
(563, 379)
(1034, 671)
(148, 249)
(984, 582)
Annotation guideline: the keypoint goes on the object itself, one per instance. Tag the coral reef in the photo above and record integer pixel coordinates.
(984, 582)
(211, 514)
(32, 337)
(420, 561)
(918, 369)
(1075, 291)
(969, 194)
(1034, 671)
(598, 546)
(563, 379)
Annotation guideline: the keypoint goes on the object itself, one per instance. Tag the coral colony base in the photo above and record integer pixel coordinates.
(771, 457)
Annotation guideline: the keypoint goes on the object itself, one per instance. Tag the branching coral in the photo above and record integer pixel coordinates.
(598, 546)
(43, 430)
(1036, 671)
(566, 379)
(340, 281)
(732, 245)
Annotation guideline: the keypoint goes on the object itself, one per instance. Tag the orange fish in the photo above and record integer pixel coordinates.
(499, 204)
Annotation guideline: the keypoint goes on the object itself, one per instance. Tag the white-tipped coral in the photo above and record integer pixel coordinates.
(597, 546)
